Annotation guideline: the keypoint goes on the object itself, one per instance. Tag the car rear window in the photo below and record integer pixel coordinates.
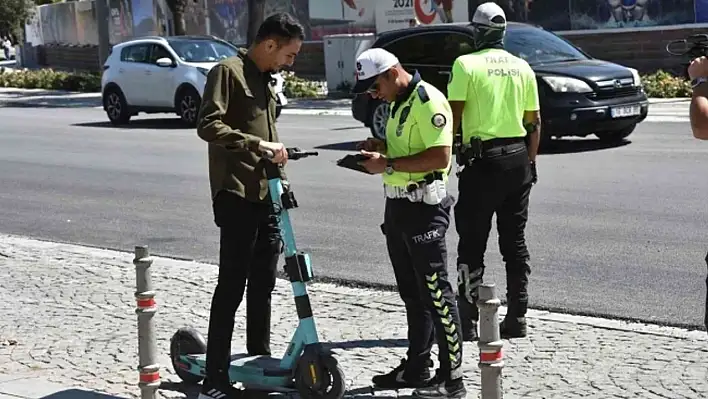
(437, 48)
(538, 46)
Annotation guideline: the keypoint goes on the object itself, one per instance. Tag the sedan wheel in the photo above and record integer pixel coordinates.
(116, 107)
(188, 107)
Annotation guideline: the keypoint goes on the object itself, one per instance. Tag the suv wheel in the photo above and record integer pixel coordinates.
(116, 107)
(379, 117)
(188, 103)
(615, 136)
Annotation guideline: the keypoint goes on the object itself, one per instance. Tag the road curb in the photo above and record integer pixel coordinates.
(366, 297)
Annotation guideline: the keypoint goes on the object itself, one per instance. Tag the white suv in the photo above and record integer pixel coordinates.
(164, 74)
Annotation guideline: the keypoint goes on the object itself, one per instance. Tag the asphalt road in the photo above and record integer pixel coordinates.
(613, 231)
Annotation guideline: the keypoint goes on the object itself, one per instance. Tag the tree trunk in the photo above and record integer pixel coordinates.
(180, 25)
(256, 11)
(178, 7)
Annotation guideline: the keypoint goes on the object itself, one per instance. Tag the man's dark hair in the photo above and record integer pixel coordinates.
(282, 27)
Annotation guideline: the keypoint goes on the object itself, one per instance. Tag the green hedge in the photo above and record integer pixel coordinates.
(296, 87)
(660, 84)
(50, 80)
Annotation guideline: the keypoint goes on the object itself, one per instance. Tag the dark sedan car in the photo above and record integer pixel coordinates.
(579, 95)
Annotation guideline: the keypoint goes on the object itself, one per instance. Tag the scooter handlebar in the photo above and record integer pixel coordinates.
(294, 153)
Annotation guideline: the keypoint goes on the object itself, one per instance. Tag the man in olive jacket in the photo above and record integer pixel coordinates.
(237, 119)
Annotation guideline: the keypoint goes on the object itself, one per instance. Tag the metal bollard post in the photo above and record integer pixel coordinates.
(146, 308)
(490, 344)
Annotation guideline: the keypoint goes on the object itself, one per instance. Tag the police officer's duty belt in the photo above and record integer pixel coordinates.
(493, 148)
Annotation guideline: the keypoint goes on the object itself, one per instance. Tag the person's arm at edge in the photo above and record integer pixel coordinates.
(457, 94)
(532, 118)
(699, 112)
(220, 88)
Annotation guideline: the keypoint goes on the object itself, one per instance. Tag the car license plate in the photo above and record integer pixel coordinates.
(623, 112)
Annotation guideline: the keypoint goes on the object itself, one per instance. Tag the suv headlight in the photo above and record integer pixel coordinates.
(635, 76)
(562, 84)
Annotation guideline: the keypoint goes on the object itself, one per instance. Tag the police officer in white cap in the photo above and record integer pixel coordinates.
(494, 99)
(415, 160)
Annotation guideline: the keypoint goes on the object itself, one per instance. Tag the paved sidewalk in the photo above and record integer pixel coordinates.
(68, 317)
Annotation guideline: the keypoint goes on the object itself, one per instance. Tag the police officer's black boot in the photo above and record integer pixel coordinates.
(469, 316)
(404, 376)
(514, 323)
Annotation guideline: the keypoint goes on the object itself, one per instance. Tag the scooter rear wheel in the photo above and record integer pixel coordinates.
(186, 341)
(333, 386)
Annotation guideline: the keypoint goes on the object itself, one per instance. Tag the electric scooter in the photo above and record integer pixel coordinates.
(306, 367)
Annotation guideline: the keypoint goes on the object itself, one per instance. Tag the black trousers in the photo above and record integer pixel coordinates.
(250, 246)
(498, 185)
(415, 237)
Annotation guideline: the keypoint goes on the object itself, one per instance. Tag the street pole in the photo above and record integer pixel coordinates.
(148, 367)
(104, 40)
(491, 359)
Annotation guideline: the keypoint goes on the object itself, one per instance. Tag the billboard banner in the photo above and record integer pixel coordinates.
(608, 14)
(401, 14)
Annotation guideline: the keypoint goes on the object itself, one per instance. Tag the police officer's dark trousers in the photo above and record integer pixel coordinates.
(250, 247)
(498, 184)
(415, 237)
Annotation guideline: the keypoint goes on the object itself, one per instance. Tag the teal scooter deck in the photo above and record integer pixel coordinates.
(253, 372)
(305, 367)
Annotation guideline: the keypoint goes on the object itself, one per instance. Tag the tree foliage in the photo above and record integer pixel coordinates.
(43, 2)
(13, 16)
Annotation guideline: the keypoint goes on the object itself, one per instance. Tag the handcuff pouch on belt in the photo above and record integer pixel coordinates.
(431, 190)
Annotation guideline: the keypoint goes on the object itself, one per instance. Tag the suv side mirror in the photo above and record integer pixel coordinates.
(164, 62)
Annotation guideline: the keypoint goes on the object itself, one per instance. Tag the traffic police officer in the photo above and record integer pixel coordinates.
(494, 99)
(415, 160)
(237, 119)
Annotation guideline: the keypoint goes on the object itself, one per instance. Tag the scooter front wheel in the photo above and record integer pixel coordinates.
(186, 341)
(332, 385)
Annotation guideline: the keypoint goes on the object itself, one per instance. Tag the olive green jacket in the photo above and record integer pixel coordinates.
(237, 112)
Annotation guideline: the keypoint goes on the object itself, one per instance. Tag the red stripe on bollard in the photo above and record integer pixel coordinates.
(146, 303)
(491, 356)
(147, 378)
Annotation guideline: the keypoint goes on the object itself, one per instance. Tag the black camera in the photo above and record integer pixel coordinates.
(693, 47)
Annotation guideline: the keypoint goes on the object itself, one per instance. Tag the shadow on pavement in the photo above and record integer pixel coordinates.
(563, 146)
(570, 146)
(349, 127)
(370, 392)
(367, 343)
(345, 146)
(50, 103)
(80, 394)
(320, 103)
(192, 392)
(153, 123)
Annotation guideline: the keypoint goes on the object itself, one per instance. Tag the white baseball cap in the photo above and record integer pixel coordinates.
(491, 15)
(369, 65)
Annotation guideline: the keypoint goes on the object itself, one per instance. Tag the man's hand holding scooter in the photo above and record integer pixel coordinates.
(278, 151)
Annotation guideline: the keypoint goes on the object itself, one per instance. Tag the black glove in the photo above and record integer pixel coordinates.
(534, 173)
